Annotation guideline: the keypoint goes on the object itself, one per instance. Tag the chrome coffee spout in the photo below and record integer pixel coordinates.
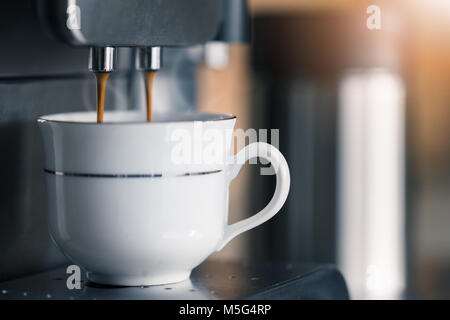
(149, 59)
(102, 59)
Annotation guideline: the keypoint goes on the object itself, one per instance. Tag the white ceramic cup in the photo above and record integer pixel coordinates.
(138, 203)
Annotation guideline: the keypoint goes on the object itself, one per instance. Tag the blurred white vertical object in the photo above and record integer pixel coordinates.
(217, 55)
(371, 130)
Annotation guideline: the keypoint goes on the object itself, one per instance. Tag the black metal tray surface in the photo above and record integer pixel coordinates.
(211, 280)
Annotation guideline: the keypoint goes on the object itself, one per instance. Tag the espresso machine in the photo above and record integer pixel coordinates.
(50, 48)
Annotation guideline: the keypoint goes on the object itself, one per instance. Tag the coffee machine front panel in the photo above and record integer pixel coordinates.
(131, 23)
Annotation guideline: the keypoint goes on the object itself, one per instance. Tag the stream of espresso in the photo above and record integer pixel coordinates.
(102, 78)
(149, 76)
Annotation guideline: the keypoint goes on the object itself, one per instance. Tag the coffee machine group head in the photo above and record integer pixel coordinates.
(148, 25)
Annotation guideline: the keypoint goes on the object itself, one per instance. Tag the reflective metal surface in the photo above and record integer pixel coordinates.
(102, 59)
(149, 58)
(211, 280)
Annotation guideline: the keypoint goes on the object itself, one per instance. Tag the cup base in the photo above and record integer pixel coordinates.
(135, 281)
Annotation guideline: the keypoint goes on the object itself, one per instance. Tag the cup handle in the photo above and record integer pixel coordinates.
(274, 156)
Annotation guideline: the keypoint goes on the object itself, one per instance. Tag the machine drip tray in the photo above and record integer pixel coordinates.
(211, 280)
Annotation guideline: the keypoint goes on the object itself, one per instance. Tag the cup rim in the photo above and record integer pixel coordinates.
(215, 117)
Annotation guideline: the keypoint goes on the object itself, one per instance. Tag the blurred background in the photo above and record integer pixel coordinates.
(363, 118)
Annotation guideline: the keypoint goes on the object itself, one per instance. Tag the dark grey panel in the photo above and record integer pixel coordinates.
(301, 101)
(132, 22)
(27, 51)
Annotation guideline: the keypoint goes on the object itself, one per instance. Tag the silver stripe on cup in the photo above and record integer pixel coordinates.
(150, 175)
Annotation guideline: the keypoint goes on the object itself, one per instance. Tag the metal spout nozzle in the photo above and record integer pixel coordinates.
(102, 59)
(149, 58)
